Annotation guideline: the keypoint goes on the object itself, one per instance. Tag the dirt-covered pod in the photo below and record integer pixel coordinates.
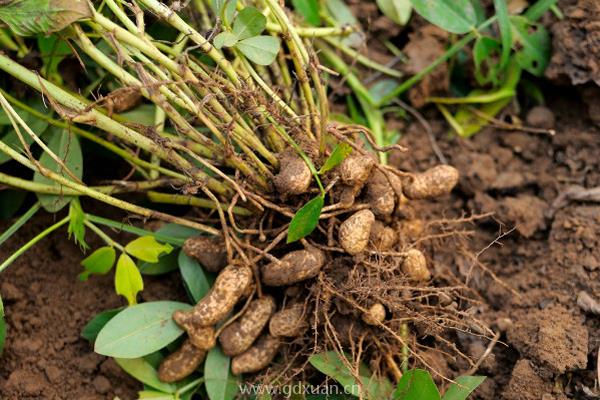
(434, 182)
(375, 315)
(294, 267)
(202, 337)
(239, 335)
(181, 363)
(355, 170)
(294, 176)
(354, 232)
(382, 237)
(380, 195)
(256, 357)
(229, 287)
(209, 251)
(415, 266)
(289, 322)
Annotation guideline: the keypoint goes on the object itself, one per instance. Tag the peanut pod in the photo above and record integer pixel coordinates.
(256, 357)
(434, 182)
(181, 363)
(209, 251)
(355, 231)
(294, 267)
(289, 322)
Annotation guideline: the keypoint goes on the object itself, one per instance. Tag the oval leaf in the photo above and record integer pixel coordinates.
(306, 219)
(99, 262)
(165, 264)
(194, 278)
(416, 384)
(225, 39)
(219, 382)
(29, 17)
(339, 154)
(309, 9)
(140, 330)
(534, 43)
(91, 329)
(128, 280)
(261, 50)
(176, 231)
(249, 23)
(398, 11)
(37, 125)
(456, 16)
(146, 248)
(141, 370)
(487, 70)
(463, 387)
(505, 30)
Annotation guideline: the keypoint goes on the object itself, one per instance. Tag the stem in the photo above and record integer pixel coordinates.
(133, 229)
(189, 386)
(32, 242)
(184, 200)
(20, 222)
(314, 32)
(107, 239)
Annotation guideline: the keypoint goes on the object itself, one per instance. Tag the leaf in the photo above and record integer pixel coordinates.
(219, 382)
(249, 23)
(166, 263)
(66, 147)
(99, 262)
(533, 43)
(141, 370)
(2, 327)
(143, 114)
(224, 9)
(306, 219)
(128, 280)
(28, 17)
(416, 384)
(343, 15)
(10, 202)
(194, 278)
(487, 70)
(397, 10)
(146, 248)
(76, 225)
(456, 16)
(463, 387)
(339, 154)
(53, 50)
(225, 39)
(331, 364)
(505, 30)
(176, 231)
(140, 330)
(309, 9)
(261, 50)
(94, 326)
(153, 395)
(379, 90)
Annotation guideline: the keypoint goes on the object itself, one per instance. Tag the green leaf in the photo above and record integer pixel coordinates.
(219, 382)
(249, 23)
(224, 9)
(306, 219)
(140, 330)
(10, 202)
(487, 70)
(225, 39)
(94, 326)
(456, 16)
(537, 10)
(416, 384)
(99, 262)
(165, 264)
(463, 387)
(194, 278)
(309, 9)
(379, 90)
(397, 10)
(261, 50)
(76, 225)
(533, 43)
(2, 327)
(28, 17)
(331, 364)
(128, 280)
(66, 147)
(343, 15)
(505, 30)
(141, 370)
(143, 114)
(176, 231)
(339, 154)
(53, 50)
(153, 395)
(146, 248)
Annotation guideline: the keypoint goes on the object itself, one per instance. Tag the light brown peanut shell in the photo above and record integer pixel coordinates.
(256, 357)
(240, 334)
(434, 182)
(181, 363)
(355, 170)
(375, 315)
(294, 176)
(209, 251)
(382, 237)
(415, 266)
(202, 337)
(289, 322)
(355, 231)
(294, 267)
(380, 195)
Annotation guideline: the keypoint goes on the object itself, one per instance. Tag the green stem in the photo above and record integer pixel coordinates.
(32, 242)
(185, 200)
(107, 239)
(189, 386)
(133, 229)
(314, 32)
(20, 222)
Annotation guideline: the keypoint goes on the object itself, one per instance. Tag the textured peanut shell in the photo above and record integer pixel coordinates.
(380, 195)
(239, 335)
(294, 176)
(434, 182)
(355, 231)
(382, 237)
(355, 170)
(289, 322)
(375, 315)
(294, 267)
(256, 357)
(202, 337)
(208, 251)
(181, 363)
(415, 266)
(229, 287)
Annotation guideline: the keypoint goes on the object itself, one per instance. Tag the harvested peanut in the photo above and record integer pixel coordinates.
(415, 266)
(375, 315)
(434, 182)
(355, 231)
(380, 195)
(239, 335)
(181, 363)
(256, 357)
(294, 267)
(355, 170)
(209, 251)
(289, 322)
(202, 337)
(294, 175)
(382, 237)
(229, 287)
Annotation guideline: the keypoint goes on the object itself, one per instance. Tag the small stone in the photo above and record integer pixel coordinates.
(53, 373)
(10, 292)
(101, 384)
(540, 117)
